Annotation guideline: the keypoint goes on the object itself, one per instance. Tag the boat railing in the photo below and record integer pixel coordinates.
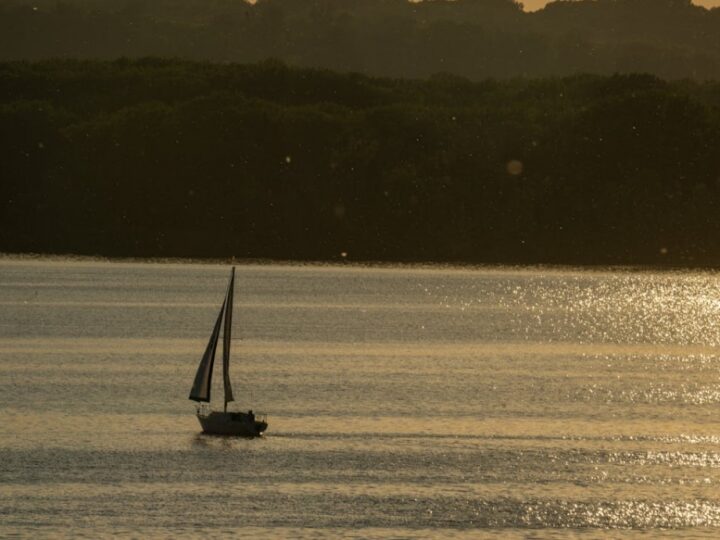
(204, 409)
(258, 416)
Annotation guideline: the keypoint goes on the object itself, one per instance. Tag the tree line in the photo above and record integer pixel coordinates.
(394, 38)
(165, 158)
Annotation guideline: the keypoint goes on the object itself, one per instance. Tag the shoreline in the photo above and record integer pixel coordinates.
(371, 264)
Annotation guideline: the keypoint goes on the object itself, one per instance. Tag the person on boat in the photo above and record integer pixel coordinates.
(251, 415)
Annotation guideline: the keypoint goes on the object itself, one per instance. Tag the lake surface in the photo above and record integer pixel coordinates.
(402, 402)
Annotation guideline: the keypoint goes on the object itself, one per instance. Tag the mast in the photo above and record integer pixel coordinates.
(227, 337)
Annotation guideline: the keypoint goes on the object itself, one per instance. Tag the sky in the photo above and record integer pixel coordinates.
(531, 5)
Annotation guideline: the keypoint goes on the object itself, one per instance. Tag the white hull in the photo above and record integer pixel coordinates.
(231, 423)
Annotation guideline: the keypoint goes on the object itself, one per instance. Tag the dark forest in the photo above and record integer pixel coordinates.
(163, 158)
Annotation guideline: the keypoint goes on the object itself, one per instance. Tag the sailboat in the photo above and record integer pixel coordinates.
(222, 422)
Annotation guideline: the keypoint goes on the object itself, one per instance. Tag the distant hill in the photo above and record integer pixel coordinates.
(473, 38)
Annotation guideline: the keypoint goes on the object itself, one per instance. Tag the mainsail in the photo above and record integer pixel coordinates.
(227, 335)
(203, 378)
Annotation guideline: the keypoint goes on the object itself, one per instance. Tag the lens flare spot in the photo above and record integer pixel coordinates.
(514, 167)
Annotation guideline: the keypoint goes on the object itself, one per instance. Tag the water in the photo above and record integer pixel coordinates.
(403, 402)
